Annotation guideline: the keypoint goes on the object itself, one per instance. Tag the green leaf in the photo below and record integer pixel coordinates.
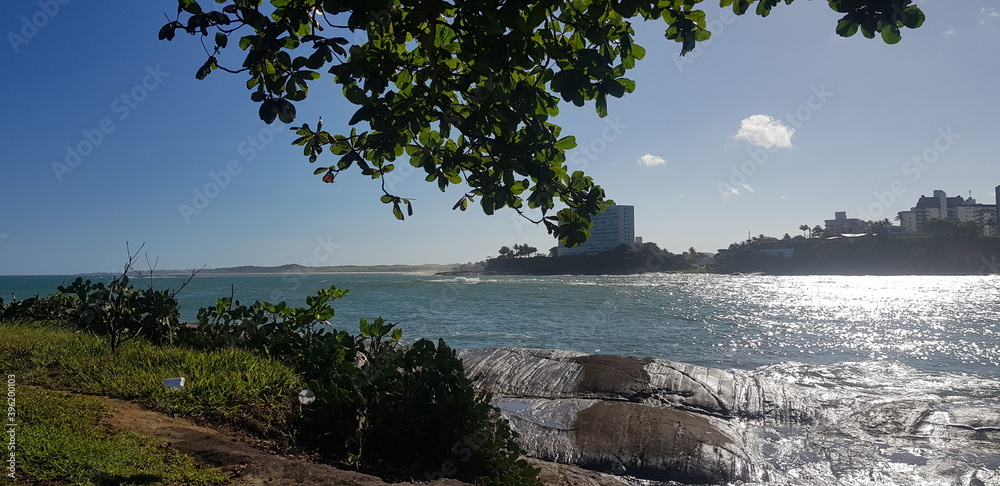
(286, 111)
(355, 95)
(602, 105)
(638, 51)
(206, 68)
(868, 28)
(627, 8)
(268, 111)
(189, 6)
(847, 27)
(166, 32)
(566, 143)
(221, 40)
(913, 17)
(890, 34)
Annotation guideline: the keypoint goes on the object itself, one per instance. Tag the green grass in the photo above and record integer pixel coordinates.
(230, 385)
(63, 444)
(60, 440)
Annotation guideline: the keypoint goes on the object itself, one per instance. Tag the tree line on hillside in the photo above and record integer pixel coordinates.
(952, 249)
(624, 260)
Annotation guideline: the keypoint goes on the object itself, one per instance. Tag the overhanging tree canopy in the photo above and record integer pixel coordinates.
(465, 89)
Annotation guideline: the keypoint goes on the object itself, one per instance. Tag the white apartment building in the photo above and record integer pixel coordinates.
(842, 225)
(941, 206)
(612, 228)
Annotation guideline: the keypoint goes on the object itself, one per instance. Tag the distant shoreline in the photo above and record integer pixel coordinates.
(323, 272)
(427, 269)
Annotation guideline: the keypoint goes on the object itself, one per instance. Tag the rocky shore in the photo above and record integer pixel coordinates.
(665, 421)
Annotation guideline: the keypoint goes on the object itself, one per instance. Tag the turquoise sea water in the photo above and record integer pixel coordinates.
(949, 324)
(891, 361)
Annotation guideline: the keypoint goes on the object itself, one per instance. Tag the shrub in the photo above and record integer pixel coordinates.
(380, 406)
(120, 312)
(52, 308)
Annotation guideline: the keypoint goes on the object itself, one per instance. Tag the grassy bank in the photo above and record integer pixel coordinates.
(61, 442)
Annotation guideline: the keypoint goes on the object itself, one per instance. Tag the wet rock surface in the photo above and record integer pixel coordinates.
(641, 417)
(663, 421)
(545, 373)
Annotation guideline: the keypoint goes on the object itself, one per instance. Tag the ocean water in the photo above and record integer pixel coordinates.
(927, 344)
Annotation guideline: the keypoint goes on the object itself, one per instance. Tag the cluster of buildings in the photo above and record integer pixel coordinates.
(936, 206)
(941, 206)
(616, 225)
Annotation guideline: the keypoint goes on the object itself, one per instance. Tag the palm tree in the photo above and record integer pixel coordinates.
(805, 229)
(524, 250)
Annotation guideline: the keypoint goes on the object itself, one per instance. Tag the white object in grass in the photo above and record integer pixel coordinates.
(174, 382)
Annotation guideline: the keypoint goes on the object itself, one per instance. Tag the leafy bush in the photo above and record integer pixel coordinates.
(120, 312)
(380, 406)
(37, 308)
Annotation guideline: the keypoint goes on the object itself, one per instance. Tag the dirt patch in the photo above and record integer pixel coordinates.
(246, 465)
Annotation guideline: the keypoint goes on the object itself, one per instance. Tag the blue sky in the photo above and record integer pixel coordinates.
(774, 123)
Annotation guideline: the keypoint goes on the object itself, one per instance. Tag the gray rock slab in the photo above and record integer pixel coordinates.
(643, 417)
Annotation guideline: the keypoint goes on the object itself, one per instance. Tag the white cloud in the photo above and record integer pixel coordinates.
(650, 160)
(728, 191)
(765, 131)
(950, 31)
(988, 12)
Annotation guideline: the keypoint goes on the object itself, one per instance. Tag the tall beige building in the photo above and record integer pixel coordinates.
(612, 228)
